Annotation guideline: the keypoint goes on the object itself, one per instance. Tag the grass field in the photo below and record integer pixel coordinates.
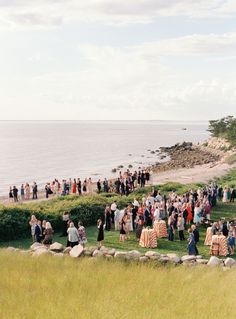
(49, 287)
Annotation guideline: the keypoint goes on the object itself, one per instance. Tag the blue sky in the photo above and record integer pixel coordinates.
(102, 59)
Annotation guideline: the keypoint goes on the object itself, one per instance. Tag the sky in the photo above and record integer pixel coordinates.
(117, 59)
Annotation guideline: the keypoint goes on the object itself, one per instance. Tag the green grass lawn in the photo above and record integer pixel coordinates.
(164, 246)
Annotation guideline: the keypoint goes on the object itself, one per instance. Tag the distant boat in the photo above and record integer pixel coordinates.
(184, 129)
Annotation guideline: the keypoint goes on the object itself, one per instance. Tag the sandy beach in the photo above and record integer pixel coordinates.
(197, 174)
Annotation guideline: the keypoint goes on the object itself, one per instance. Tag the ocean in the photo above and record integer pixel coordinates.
(42, 151)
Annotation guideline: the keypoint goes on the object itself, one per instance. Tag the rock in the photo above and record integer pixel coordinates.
(56, 247)
(76, 251)
(143, 259)
(104, 249)
(202, 261)
(12, 249)
(174, 258)
(214, 261)
(97, 253)
(122, 255)
(164, 259)
(187, 258)
(199, 257)
(154, 257)
(40, 252)
(134, 254)
(67, 250)
(152, 253)
(35, 246)
(92, 248)
(111, 252)
(229, 262)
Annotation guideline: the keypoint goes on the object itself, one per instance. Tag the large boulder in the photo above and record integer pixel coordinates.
(12, 249)
(111, 252)
(76, 251)
(174, 258)
(188, 258)
(214, 261)
(97, 253)
(150, 254)
(41, 251)
(122, 255)
(36, 246)
(229, 262)
(57, 247)
(143, 259)
(134, 254)
(202, 261)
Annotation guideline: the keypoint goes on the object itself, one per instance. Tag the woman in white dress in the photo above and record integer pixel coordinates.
(225, 197)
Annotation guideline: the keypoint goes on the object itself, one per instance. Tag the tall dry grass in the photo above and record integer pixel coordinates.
(50, 287)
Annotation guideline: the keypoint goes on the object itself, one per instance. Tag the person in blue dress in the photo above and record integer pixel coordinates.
(191, 243)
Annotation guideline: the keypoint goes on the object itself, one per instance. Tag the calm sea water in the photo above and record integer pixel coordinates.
(42, 151)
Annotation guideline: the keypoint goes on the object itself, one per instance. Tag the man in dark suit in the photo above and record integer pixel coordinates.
(196, 237)
(38, 232)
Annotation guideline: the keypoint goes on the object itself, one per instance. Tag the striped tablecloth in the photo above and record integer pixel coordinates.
(219, 245)
(148, 238)
(160, 229)
(223, 247)
(208, 238)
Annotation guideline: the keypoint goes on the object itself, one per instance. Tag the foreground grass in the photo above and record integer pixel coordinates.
(65, 288)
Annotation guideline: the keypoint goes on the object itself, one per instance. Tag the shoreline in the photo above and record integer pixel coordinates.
(187, 163)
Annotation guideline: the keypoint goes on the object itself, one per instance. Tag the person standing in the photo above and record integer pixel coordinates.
(33, 223)
(79, 187)
(191, 243)
(180, 226)
(48, 234)
(73, 235)
(100, 237)
(99, 186)
(107, 218)
(171, 229)
(27, 191)
(196, 237)
(35, 191)
(15, 193)
(22, 192)
(65, 220)
(113, 209)
(74, 186)
(10, 195)
(38, 232)
(82, 234)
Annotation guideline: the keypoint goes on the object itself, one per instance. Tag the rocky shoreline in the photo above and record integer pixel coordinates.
(187, 155)
(95, 253)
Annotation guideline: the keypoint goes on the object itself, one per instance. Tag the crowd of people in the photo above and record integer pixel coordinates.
(42, 232)
(125, 183)
(180, 215)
